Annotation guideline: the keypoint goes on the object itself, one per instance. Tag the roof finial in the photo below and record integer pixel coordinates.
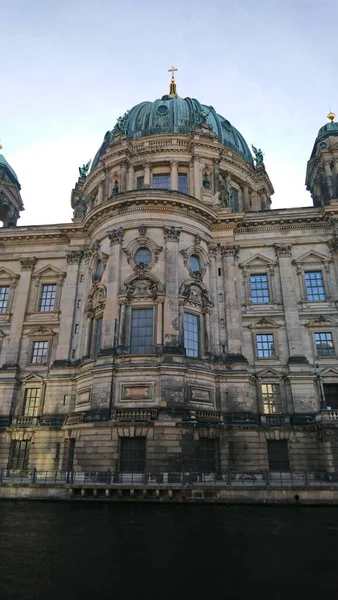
(331, 116)
(172, 89)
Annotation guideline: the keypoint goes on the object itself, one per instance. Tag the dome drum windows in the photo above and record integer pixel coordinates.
(143, 256)
(142, 252)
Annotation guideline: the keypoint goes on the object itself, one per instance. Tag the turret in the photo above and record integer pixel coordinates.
(322, 168)
(10, 197)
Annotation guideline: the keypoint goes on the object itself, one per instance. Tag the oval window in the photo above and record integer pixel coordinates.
(194, 263)
(143, 255)
(162, 109)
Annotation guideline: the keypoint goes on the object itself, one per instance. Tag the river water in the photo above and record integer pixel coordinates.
(137, 551)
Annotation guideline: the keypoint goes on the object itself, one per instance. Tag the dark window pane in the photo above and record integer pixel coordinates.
(40, 352)
(194, 263)
(191, 334)
(183, 183)
(132, 455)
(32, 402)
(47, 301)
(207, 457)
(324, 344)
(98, 270)
(140, 183)
(259, 289)
(98, 336)
(142, 331)
(19, 455)
(278, 455)
(271, 398)
(161, 182)
(314, 286)
(234, 200)
(142, 255)
(265, 345)
(331, 395)
(4, 293)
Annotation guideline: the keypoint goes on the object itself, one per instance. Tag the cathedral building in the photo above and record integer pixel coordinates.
(177, 325)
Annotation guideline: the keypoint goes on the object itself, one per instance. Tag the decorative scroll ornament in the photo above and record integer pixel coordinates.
(283, 249)
(74, 257)
(142, 230)
(195, 295)
(116, 236)
(333, 245)
(142, 286)
(230, 250)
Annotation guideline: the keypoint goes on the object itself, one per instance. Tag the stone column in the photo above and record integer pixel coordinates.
(147, 175)
(197, 177)
(19, 310)
(246, 197)
(88, 336)
(328, 176)
(106, 187)
(240, 199)
(159, 323)
(216, 162)
(100, 193)
(130, 184)
(215, 320)
(122, 323)
(113, 267)
(174, 175)
(233, 314)
(123, 177)
(255, 201)
(293, 329)
(207, 337)
(171, 305)
(68, 305)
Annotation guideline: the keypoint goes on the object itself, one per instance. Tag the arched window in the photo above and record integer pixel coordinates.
(142, 255)
(194, 263)
(98, 270)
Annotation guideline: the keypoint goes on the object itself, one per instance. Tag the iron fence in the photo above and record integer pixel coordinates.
(193, 479)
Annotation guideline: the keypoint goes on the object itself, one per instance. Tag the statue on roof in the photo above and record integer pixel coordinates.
(84, 170)
(122, 124)
(258, 155)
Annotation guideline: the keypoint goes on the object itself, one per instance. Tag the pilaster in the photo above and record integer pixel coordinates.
(171, 304)
(68, 304)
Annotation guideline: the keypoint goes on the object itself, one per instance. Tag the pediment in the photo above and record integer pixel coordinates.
(6, 274)
(269, 373)
(32, 377)
(321, 322)
(49, 271)
(41, 332)
(311, 257)
(264, 324)
(329, 372)
(258, 260)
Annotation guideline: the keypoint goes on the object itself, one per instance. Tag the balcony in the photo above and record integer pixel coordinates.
(134, 414)
(23, 421)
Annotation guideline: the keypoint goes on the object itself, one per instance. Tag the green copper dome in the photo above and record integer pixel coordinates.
(10, 172)
(329, 129)
(172, 114)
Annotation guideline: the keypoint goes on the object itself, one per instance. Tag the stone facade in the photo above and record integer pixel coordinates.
(82, 375)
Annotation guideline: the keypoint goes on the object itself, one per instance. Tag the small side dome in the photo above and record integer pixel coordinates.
(10, 172)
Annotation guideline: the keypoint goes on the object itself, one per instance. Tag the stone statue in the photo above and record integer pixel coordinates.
(228, 188)
(223, 195)
(121, 124)
(80, 208)
(258, 155)
(84, 170)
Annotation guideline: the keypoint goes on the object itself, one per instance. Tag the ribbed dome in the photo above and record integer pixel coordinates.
(172, 114)
(11, 173)
(327, 130)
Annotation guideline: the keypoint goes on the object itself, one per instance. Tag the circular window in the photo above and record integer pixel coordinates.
(194, 263)
(162, 109)
(226, 124)
(142, 255)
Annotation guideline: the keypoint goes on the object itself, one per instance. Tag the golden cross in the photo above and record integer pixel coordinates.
(172, 72)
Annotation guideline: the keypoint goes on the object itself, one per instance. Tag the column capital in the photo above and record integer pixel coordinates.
(74, 257)
(230, 249)
(116, 236)
(283, 249)
(172, 233)
(333, 245)
(212, 250)
(28, 263)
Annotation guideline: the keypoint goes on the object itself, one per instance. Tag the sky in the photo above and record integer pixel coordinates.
(70, 68)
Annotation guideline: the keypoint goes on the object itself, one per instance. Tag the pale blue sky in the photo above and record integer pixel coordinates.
(69, 68)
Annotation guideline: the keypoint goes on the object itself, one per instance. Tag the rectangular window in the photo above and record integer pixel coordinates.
(278, 455)
(191, 334)
(331, 395)
(272, 402)
(259, 289)
(40, 352)
(234, 200)
(19, 455)
(207, 455)
(265, 345)
(140, 183)
(32, 402)
(47, 300)
(4, 293)
(314, 286)
(132, 455)
(183, 183)
(98, 336)
(161, 182)
(142, 330)
(324, 344)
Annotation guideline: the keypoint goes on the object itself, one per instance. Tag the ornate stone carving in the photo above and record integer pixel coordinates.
(197, 240)
(28, 263)
(74, 256)
(172, 233)
(230, 249)
(142, 230)
(333, 245)
(194, 294)
(283, 249)
(116, 236)
(142, 289)
(212, 250)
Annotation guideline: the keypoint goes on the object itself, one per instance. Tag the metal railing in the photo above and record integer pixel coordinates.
(192, 479)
